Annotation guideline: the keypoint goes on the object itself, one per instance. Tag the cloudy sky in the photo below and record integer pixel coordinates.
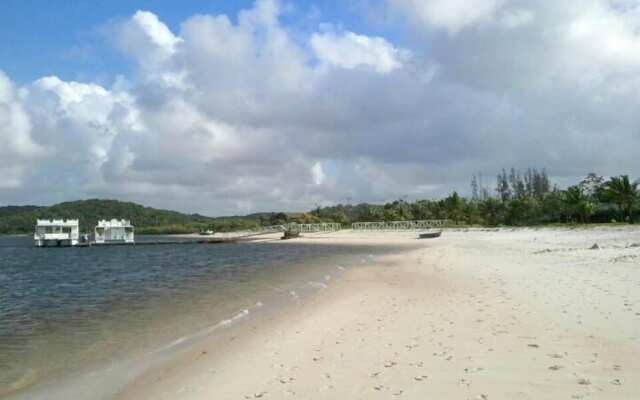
(226, 107)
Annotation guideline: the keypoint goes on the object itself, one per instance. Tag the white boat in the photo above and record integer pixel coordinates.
(57, 232)
(430, 234)
(114, 231)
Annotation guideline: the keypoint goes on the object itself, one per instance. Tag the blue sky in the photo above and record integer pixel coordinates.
(66, 38)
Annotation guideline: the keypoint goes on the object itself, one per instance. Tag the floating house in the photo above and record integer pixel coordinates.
(56, 232)
(114, 231)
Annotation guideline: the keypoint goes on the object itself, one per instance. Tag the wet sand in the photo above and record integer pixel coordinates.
(479, 314)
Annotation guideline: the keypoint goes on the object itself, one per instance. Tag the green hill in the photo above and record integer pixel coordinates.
(22, 219)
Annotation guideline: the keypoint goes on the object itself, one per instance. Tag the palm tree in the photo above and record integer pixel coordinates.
(624, 193)
(578, 203)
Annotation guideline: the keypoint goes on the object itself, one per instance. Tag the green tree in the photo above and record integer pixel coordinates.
(502, 186)
(592, 185)
(454, 207)
(553, 207)
(492, 211)
(623, 192)
(579, 203)
(278, 219)
(522, 211)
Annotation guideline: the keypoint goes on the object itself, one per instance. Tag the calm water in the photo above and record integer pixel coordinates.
(70, 309)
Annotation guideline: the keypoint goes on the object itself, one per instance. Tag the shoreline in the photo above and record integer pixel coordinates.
(522, 313)
(272, 281)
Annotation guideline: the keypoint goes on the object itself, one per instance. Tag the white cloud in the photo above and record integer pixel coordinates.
(18, 147)
(145, 30)
(606, 34)
(349, 50)
(517, 18)
(450, 15)
(318, 173)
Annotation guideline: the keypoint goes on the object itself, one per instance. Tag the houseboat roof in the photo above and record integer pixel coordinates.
(114, 223)
(57, 222)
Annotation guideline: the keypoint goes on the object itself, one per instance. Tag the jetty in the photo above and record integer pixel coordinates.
(120, 232)
(166, 242)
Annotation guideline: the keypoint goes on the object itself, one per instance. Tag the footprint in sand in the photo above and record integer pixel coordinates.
(463, 381)
(390, 364)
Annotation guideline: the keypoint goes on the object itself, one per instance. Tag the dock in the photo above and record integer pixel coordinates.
(165, 242)
(120, 232)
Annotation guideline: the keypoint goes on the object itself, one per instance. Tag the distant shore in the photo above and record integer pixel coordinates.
(481, 314)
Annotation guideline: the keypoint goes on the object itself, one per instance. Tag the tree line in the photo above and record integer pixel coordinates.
(518, 199)
(147, 220)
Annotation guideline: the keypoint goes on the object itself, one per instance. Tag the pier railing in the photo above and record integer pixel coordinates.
(399, 225)
(324, 227)
(293, 227)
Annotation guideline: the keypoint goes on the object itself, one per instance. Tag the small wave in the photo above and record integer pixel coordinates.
(27, 379)
(236, 317)
(177, 342)
(241, 314)
(67, 285)
(317, 285)
(209, 330)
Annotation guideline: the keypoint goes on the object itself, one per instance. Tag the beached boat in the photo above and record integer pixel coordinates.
(430, 235)
(290, 235)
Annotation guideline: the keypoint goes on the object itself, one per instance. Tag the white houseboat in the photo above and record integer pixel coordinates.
(114, 231)
(56, 232)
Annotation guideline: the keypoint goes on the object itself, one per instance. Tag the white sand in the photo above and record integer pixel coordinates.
(509, 314)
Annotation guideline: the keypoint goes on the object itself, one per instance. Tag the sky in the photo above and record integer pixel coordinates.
(233, 107)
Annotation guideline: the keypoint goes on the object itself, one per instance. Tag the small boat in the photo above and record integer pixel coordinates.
(430, 235)
(290, 235)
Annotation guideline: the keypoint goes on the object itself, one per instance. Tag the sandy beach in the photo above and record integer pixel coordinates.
(476, 314)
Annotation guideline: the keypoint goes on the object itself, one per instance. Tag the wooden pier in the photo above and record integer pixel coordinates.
(165, 242)
(290, 231)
